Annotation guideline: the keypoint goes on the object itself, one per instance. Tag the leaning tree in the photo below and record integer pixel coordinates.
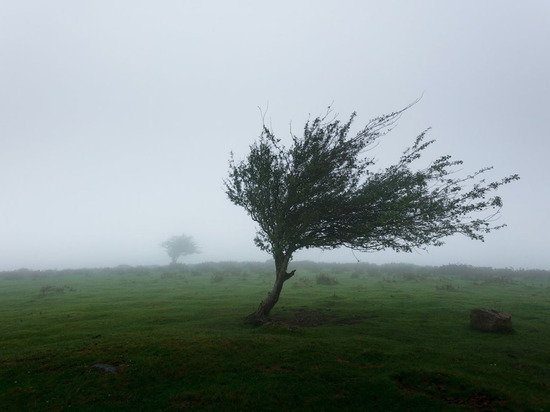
(322, 192)
(178, 246)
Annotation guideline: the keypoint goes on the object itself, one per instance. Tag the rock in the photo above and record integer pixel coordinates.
(490, 320)
(104, 367)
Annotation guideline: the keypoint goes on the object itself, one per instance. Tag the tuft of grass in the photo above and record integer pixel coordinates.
(447, 287)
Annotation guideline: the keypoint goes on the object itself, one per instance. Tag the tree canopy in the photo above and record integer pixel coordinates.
(323, 192)
(178, 246)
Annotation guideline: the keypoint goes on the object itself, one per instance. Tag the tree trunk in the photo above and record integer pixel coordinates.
(261, 315)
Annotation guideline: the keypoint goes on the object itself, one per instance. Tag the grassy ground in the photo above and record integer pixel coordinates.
(388, 341)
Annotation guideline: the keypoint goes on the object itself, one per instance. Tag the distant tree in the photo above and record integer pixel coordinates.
(321, 192)
(178, 246)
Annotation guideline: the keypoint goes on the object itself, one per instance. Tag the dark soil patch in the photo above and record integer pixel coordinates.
(305, 318)
(309, 318)
(351, 321)
(448, 389)
(300, 318)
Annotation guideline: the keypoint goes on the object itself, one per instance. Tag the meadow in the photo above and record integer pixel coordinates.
(343, 337)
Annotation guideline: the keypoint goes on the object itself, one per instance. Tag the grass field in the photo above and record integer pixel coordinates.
(387, 338)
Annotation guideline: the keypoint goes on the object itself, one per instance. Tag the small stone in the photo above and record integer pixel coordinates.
(105, 367)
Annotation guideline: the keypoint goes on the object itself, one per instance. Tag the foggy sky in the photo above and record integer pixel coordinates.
(117, 117)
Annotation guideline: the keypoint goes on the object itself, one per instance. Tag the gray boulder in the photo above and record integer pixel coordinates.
(490, 320)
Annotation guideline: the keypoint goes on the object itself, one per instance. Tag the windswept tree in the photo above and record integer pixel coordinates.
(322, 192)
(178, 246)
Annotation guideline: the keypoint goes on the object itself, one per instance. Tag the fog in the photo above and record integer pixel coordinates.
(117, 118)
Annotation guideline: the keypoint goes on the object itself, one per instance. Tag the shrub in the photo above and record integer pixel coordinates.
(54, 289)
(302, 282)
(218, 277)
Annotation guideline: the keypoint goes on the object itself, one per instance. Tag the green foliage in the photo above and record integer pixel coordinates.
(321, 192)
(177, 343)
(178, 246)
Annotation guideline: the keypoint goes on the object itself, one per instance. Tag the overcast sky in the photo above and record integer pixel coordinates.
(117, 117)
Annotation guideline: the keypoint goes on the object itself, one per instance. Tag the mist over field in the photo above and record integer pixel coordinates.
(117, 119)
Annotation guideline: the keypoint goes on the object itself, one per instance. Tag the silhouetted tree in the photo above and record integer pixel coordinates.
(178, 246)
(321, 192)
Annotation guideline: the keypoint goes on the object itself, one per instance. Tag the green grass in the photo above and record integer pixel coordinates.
(388, 341)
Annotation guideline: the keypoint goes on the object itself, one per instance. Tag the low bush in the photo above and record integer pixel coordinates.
(323, 279)
(218, 277)
(302, 281)
(55, 289)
